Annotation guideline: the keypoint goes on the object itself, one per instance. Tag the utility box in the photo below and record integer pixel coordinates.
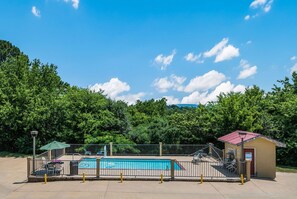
(74, 167)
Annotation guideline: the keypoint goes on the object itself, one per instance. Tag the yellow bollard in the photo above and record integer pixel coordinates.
(45, 178)
(242, 179)
(121, 176)
(161, 178)
(84, 178)
(201, 179)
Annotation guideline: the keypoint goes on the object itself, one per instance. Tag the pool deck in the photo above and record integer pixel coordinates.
(13, 185)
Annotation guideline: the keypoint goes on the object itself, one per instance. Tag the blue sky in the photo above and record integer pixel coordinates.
(188, 51)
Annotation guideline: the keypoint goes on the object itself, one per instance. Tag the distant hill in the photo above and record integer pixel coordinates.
(186, 105)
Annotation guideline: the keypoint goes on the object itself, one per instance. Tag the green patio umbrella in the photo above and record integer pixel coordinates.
(54, 145)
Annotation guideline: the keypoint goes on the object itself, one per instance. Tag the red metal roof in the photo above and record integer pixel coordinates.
(233, 138)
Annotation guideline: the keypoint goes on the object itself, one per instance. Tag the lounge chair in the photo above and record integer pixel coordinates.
(100, 152)
(197, 158)
(87, 152)
(232, 167)
(59, 168)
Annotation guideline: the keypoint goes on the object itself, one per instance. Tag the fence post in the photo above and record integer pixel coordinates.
(49, 154)
(172, 169)
(241, 167)
(160, 148)
(98, 167)
(121, 177)
(28, 167)
(248, 170)
(110, 148)
(210, 145)
(84, 178)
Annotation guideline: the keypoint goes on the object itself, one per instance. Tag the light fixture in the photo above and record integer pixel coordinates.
(242, 134)
(34, 134)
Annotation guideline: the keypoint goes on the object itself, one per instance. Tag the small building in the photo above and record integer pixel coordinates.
(261, 150)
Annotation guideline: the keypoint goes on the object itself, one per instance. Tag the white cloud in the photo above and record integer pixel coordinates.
(294, 68)
(164, 61)
(217, 48)
(262, 4)
(267, 7)
(205, 82)
(257, 3)
(171, 100)
(166, 83)
(191, 57)
(75, 3)
(248, 42)
(162, 84)
(247, 17)
(293, 58)
(131, 98)
(111, 88)
(222, 51)
(227, 53)
(194, 98)
(239, 89)
(205, 97)
(224, 87)
(247, 71)
(114, 87)
(35, 11)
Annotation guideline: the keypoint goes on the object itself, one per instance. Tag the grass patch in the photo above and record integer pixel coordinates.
(286, 169)
(15, 155)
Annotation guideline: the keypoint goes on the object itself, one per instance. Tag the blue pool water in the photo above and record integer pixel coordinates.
(127, 163)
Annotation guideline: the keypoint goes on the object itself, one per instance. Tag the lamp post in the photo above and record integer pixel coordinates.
(242, 136)
(34, 134)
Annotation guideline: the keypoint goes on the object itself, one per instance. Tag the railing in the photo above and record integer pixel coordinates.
(44, 154)
(215, 152)
(82, 148)
(209, 168)
(135, 149)
(145, 149)
(212, 170)
(85, 158)
(182, 149)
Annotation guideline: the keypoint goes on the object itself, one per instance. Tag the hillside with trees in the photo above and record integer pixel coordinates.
(34, 97)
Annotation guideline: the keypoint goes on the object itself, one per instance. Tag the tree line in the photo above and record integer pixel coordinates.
(34, 97)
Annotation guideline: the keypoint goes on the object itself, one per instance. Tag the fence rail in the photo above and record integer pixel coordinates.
(197, 160)
(135, 168)
(160, 149)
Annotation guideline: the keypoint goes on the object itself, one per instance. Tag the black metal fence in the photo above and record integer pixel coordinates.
(192, 161)
(136, 149)
(208, 167)
(143, 149)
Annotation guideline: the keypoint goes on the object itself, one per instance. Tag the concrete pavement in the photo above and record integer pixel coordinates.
(13, 172)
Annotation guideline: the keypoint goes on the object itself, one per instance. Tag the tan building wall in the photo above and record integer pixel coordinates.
(265, 160)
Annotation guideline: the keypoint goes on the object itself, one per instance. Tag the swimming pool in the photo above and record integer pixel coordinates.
(128, 163)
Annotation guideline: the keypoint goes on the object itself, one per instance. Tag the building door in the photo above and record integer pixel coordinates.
(249, 154)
